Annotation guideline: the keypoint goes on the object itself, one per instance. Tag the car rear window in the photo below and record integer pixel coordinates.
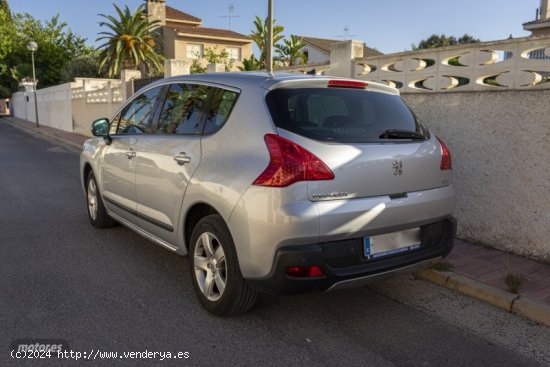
(341, 115)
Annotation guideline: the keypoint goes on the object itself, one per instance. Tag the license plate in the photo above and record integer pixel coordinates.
(394, 243)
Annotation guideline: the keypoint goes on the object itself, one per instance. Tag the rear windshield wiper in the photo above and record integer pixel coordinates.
(401, 134)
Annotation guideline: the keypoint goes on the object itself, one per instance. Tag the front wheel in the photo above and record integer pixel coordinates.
(215, 271)
(96, 210)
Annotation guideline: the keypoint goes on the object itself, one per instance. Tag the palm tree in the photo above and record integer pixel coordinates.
(290, 52)
(130, 42)
(260, 37)
(250, 64)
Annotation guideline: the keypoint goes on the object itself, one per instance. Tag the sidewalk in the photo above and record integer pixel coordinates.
(473, 270)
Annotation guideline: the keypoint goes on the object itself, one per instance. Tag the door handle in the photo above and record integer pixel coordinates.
(130, 154)
(182, 158)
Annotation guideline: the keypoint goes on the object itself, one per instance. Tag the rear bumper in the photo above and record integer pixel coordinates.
(344, 265)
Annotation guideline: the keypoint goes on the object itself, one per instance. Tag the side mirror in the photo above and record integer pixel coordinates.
(100, 127)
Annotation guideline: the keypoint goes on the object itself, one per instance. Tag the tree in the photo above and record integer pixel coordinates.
(260, 37)
(130, 43)
(85, 66)
(5, 6)
(7, 31)
(250, 64)
(212, 56)
(442, 40)
(57, 45)
(290, 52)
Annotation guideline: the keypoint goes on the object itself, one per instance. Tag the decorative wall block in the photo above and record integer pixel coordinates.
(520, 63)
(392, 66)
(464, 59)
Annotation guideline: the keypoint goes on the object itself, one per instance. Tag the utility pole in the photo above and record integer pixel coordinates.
(269, 54)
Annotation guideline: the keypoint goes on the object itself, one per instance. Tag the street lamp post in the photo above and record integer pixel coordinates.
(32, 47)
(269, 45)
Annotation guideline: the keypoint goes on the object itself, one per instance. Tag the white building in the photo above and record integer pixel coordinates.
(317, 50)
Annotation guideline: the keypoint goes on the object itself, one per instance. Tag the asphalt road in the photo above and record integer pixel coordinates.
(114, 291)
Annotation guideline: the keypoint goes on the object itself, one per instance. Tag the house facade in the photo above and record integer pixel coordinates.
(184, 37)
(541, 25)
(318, 49)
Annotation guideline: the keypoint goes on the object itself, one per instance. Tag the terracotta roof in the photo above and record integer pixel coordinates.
(175, 14)
(212, 32)
(367, 51)
(323, 44)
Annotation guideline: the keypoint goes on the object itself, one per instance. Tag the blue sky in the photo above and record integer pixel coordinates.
(390, 26)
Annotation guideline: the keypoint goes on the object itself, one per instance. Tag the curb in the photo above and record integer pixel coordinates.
(41, 133)
(510, 302)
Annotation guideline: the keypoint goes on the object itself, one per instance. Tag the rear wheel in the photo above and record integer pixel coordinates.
(215, 271)
(96, 210)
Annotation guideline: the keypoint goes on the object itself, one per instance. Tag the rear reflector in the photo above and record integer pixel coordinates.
(446, 160)
(313, 271)
(290, 163)
(336, 83)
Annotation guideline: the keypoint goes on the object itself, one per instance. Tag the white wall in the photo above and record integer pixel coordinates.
(54, 106)
(315, 56)
(72, 106)
(501, 164)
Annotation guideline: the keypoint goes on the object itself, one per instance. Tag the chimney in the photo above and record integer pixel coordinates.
(156, 10)
(544, 10)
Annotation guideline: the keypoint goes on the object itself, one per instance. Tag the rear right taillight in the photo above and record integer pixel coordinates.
(446, 161)
(290, 163)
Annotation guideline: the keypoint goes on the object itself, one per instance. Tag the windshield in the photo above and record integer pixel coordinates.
(342, 115)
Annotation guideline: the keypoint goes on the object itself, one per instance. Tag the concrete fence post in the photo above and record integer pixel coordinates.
(342, 56)
(174, 67)
(215, 68)
(127, 87)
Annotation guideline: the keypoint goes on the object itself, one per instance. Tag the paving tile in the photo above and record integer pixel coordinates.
(539, 294)
(483, 270)
(472, 266)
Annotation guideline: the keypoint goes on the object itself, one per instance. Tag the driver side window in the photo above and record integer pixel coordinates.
(137, 117)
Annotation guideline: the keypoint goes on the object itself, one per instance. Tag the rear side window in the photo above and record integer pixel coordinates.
(183, 109)
(219, 110)
(341, 115)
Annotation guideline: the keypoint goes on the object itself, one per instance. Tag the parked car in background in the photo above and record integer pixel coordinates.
(278, 183)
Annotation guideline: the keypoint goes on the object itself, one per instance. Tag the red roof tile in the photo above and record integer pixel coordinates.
(212, 32)
(175, 14)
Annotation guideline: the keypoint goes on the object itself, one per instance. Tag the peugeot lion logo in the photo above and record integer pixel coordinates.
(397, 167)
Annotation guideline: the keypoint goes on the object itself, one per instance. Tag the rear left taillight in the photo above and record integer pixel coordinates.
(290, 163)
(446, 161)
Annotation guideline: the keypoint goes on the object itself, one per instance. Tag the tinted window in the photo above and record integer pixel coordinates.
(340, 115)
(183, 109)
(137, 117)
(219, 110)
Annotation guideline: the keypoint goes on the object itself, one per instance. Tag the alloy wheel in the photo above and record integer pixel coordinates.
(210, 266)
(92, 199)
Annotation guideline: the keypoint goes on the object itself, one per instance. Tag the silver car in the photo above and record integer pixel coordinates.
(278, 183)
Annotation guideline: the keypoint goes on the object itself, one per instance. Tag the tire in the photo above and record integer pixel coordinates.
(215, 271)
(96, 210)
